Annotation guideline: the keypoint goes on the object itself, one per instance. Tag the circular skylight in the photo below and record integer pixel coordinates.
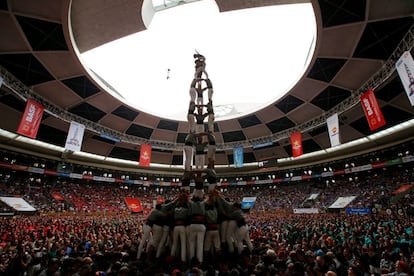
(253, 57)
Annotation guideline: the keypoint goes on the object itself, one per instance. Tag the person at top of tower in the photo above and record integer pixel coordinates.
(200, 65)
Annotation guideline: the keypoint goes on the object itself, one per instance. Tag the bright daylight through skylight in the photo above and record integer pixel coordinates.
(253, 57)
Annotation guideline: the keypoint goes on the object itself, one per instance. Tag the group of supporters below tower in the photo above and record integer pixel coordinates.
(193, 228)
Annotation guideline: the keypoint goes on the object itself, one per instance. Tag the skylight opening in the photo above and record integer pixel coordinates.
(253, 57)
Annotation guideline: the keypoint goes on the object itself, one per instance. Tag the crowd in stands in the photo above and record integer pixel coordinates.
(92, 231)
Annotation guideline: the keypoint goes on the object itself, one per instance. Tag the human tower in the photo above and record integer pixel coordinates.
(200, 143)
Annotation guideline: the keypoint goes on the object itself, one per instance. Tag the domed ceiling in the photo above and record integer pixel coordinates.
(356, 40)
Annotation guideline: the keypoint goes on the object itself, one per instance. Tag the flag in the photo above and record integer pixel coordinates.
(160, 200)
(30, 122)
(75, 136)
(248, 202)
(238, 157)
(405, 69)
(333, 128)
(134, 205)
(296, 142)
(372, 110)
(402, 189)
(57, 196)
(145, 155)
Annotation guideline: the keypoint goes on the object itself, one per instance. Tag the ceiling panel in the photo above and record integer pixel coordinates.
(249, 121)
(88, 112)
(339, 12)
(125, 113)
(14, 42)
(330, 97)
(26, 68)
(288, 103)
(43, 35)
(380, 38)
(140, 131)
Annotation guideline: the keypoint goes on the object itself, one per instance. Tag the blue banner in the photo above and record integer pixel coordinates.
(238, 157)
(248, 202)
(358, 211)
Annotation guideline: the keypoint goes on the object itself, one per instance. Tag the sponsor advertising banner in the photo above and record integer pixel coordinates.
(372, 110)
(30, 122)
(238, 157)
(145, 155)
(75, 136)
(405, 69)
(296, 142)
(333, 128)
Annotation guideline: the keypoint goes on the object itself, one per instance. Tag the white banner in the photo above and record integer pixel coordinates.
(75, 136)
(333, 127)
(1, 81)
(305, 210)
(313, 196)
(342, 201)
(405, 69)
(18, 204)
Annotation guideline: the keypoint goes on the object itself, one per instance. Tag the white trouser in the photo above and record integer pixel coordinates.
(199, 128)
(212, 239)
(193, 93)
(211, 152)
(188, 157)
(156, 235)
(223, 230)
(210, 94)
(196, 241)
(146, 239)
(242, 235)
(163, 240)
(200, 161)
(210, 122)
(191, 122)
(179, 235)
(230, 235)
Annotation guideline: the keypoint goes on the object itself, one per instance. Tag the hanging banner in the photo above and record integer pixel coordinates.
(30, 122)
(372, 110)
(405, 69)
(333, 128)
(145, 155)
(238, 157)
(296, 142)
(75, 136)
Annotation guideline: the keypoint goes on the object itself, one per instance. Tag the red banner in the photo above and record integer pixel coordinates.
(57, 196)
(402, 189)
(372, 110)
(30, 122)
(133, 204)
(296, 142)
(160, 200)
(145, 155)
